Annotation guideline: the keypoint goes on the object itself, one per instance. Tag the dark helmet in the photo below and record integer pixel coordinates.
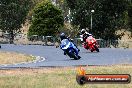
(62, 36)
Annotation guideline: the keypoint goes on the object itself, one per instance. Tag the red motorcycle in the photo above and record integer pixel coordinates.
(91, 44)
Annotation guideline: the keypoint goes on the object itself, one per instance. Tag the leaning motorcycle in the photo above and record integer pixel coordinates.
(91, 44)
(70, 49)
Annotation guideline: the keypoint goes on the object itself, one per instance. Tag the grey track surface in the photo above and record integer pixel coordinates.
(54, 56)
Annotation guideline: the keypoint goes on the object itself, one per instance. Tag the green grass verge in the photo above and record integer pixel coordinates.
(58, 77)
(14, 57)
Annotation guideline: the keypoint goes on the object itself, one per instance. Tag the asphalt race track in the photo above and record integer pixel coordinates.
(54, 56)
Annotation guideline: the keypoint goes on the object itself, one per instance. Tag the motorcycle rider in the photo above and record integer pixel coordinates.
(63, 36)
(84, 35)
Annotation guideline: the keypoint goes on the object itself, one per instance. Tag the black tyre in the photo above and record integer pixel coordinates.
(96, 48)
(72, 54)
(76, 57)
(91, 50)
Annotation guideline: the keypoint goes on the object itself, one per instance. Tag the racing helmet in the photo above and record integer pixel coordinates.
(83, 31)
(62, 36)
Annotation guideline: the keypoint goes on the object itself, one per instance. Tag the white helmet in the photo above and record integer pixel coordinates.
(83, 31)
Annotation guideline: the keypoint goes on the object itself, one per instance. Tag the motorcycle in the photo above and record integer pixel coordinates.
(70, 49)
(91, 44)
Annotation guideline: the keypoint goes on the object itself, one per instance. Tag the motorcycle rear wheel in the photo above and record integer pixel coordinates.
(75, 56)
(96, 48)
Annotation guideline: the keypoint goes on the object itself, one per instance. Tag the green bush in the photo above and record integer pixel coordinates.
(47, 20)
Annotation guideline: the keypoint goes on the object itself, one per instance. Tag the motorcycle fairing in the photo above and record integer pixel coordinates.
(67, 45)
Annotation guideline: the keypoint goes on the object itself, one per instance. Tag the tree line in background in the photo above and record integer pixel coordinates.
(108, 16)
(48, 18)
(12, 15)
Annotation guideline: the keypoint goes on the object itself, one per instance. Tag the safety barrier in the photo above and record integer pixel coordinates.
(109, 43)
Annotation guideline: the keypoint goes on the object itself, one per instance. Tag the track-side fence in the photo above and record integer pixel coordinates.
(50, 40)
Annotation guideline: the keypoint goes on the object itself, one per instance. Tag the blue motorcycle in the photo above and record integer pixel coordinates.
(70, 49)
